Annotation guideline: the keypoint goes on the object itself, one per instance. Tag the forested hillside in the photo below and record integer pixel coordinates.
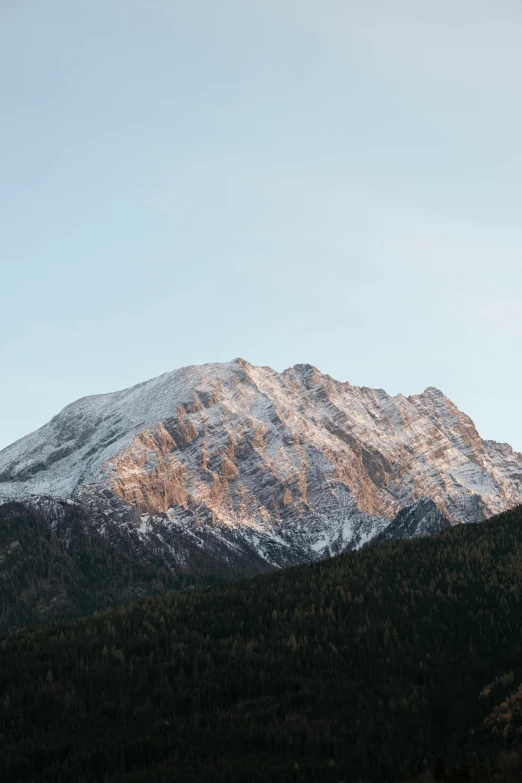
(51, 571)
(393, 663)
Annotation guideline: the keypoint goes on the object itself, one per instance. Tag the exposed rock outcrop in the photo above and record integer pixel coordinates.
(420, 519)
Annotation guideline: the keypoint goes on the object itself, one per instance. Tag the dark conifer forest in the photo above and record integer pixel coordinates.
(66, 569)
(399, 662)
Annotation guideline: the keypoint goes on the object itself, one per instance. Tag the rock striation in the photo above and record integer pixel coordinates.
(420, 519)
(261, 469)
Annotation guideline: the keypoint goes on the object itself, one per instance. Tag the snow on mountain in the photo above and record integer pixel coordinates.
(251, 463)
(420, 519)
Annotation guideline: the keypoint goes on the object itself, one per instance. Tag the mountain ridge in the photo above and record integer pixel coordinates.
(283, 467)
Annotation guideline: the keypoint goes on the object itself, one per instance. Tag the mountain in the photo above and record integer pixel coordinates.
(250, 469)
(420, 519)
(59, 560)
(372, 666)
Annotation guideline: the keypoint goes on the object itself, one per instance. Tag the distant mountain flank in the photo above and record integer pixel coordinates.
(249, 469)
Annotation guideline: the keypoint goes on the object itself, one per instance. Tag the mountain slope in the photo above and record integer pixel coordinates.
(357, 668)
(55, 564)
(58, 559)
(259, 465)
(420, 519)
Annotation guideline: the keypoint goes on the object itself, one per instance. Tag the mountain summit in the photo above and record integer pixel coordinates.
(246, 464)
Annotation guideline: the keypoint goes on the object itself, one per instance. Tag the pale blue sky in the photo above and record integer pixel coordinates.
(335, 182)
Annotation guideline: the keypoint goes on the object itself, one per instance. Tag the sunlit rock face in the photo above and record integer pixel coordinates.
(273, 467)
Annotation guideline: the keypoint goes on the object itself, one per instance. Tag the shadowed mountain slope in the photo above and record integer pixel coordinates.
(365, 667)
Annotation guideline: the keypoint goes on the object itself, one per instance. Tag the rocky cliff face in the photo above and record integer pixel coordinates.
(259, 466)
(420, 519)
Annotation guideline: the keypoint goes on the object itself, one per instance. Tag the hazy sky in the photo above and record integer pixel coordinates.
(337, 182)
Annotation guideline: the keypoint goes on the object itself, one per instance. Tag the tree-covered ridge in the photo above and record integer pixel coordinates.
(368, 667)
(51, 571)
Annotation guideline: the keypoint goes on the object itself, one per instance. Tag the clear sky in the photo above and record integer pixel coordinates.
(336, 182)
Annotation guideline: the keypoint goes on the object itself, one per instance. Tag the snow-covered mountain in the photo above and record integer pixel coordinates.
(251, 465)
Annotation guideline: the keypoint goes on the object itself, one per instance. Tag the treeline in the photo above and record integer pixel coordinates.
(389, 664)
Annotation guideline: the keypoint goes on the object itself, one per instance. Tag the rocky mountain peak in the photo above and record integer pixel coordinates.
(241, 362)
(305, 370)
(279, 467)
